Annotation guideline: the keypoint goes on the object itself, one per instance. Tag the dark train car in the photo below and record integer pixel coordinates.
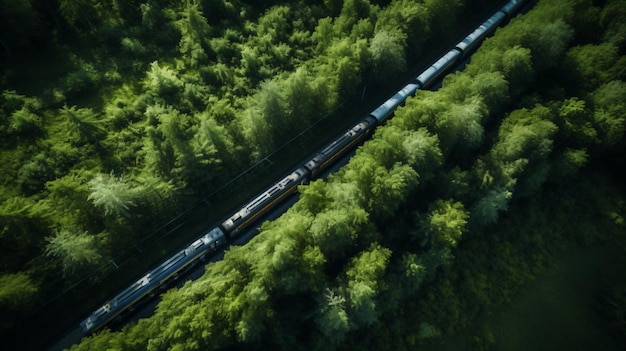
(340, 146)
(264, 202)
(209, 242)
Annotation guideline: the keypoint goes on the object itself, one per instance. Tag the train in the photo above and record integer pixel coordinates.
(252, 211)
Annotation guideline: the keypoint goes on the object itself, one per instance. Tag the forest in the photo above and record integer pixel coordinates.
(462, 200)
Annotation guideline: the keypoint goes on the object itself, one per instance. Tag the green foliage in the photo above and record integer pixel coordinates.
(363, 274)
(24, 121)
(21, 228)
(388, 60)
(163, 83)
(444, 224)
(440, 12)
(335, 231)
(517, 68)
(333, 321)
(351, 12)
(486, 210)
(410, 18)
(194, 31)
(111, 194)
(75, 251)
(280, 108)
(16, 290)
(84, 125)
(608, 115)
(22, 115)
(594, 64)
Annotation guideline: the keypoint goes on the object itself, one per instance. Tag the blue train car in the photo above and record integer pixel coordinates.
(512, 7)
(384, 110)
(432, 73)
(470, 42)
(209, 242)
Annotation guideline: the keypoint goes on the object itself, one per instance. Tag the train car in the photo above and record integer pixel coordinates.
(432, 73)
(470, 42)
(157, 277)
(339, 146)
(512, 7)
(384, 110)
(264, 202)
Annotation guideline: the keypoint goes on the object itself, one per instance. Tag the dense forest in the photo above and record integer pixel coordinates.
(459, 202)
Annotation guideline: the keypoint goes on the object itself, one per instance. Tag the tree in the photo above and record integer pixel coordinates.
(155, 194)
(423, 110)
(612, 19)
(83, 125)
(212, 143)
(67, 198)
(485, 210)
(492, 90)
(444, 224)
(76, 251)
(409, 18)
(17, 291)
(388, 59)
(276, 23)
(323, 34)
(593, 64)
(344, 62)
(163, 84)
(24, 121)
(195, 32)
(351, 12)
(151, 14)
(336, 230)
(525, 134)
(34, 174)
(548, 43)
(413, 273)
(364, 284)
(306, 97)
(422, 152)
(332, 320)
(609, 111)
(314, 197)
(159, 154)
(112, 194)
(461, 125)
(442, 14)
(266, 118)
(390, 188)
(517, 69)
(22, 227)
(577, 122)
